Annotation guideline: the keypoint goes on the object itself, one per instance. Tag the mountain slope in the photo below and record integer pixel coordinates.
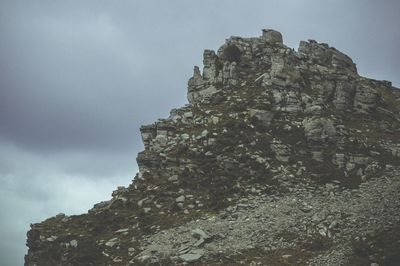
(281, 157)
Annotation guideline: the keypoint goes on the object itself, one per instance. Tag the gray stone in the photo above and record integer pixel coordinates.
(320, 216)
(52, 238)
(282, 151)
(215, 120)
(160, 141)
(350, 166)
(173, 178)
(185, 136)
(343, 98)
(123, 230)
(199, 242)
(359, 159)
(319, 129)
(188, 115)
(200, 234)
(144, 258)
(112, 242)
(194, 255)
(131, 251)
(272, 36)
(210, 61)
(211, 141)
(180, 199)
(73, 243)
(230, 73)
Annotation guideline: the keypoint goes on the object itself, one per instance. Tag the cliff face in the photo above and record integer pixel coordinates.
(281, 157)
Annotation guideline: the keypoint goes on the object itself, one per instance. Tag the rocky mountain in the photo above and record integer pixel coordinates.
(281, 157)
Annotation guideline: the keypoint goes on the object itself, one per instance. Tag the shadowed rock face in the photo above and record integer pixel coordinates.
(281, 157)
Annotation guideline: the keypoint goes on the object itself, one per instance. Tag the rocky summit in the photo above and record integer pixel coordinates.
(281, 157)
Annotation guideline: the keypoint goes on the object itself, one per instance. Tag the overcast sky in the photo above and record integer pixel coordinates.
(78, 78)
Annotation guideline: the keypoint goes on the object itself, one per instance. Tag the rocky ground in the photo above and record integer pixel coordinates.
(281, 157)
(321, 222)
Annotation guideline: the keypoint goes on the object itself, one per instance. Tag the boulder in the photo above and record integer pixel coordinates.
(272, 36)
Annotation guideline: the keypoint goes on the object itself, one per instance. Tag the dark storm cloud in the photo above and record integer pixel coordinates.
(78, 78)
(84, 82)
(90, 68)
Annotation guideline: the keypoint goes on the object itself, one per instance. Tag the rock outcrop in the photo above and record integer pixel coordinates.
(281, 157)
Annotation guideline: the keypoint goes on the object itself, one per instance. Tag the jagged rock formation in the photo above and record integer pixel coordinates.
(281, 157)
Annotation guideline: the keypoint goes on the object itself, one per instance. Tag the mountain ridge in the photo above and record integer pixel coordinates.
(265, 126)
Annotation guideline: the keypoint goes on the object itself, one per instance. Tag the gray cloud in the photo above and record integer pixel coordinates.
(78, 78)
(36, 186)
